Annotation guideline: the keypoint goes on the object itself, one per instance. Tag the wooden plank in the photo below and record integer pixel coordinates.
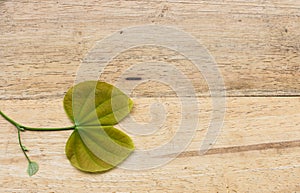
(258, 148)
(255, 44)
(267, 171)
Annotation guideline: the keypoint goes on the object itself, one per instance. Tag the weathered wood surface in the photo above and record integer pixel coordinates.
(256, 45)
(258, 149)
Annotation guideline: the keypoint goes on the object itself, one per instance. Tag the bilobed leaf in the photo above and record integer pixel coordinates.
(95, 145)
(32, 168)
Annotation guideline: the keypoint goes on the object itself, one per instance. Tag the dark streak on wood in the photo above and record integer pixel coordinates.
(237, 149)
(133, 78)
(265, 95)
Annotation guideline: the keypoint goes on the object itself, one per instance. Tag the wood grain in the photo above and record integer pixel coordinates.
(256, 45)
(255, 142)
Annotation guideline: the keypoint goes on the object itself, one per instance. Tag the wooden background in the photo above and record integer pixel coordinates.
(256, 44)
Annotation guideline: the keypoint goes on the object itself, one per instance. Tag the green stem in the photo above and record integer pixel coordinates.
(22, 147)
(48, 129)
(21, 127)
(10, 120)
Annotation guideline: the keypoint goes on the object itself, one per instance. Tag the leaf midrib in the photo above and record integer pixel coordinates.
(89, 153)
(96, 107)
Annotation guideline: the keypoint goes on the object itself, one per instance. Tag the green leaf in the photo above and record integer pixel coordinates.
(95, 145)
(97, 149)
(96, 103)
(32, 168)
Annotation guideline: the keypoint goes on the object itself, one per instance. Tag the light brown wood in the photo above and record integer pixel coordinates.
(259, 140)
(256, 45)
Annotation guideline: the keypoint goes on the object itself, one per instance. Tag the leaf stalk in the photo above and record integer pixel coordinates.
(22, 127)
(32, 166)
